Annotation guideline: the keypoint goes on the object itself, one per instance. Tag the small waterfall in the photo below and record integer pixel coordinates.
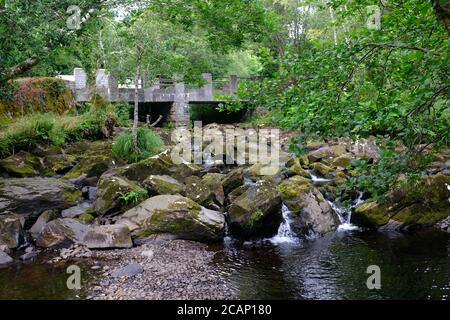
(285, 233)
(317, 179)
(345, 214)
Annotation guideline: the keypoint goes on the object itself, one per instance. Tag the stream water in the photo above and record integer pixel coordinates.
(413, 266)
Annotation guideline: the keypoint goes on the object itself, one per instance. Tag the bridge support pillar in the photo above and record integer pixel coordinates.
(179, 112)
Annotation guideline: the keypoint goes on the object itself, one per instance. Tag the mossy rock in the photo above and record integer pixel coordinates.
(321, 169)
(370, 214)
(420, 205)
(161, 164)
(31, 196)
(296, 169)
(86, 218)
(256, 212)
(59, 163)
(109, 189)
(86, 147)
(342, 161)
(233, 180)
(208, 190)
(91, 166)
(21, 165)
(159, 185)
(177, 215)
(294, 187)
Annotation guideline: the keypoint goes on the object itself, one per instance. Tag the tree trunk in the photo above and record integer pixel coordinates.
(136, 109)
(19, 69)
(443, 12)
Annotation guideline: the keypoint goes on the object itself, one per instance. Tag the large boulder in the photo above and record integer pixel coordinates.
(257, 211)
(108, 236)
(207, 191)
(158, 185)
(421, 205)
(11, 230)
(233, 180)
(161, 164)
(176, 215)
(327, 152)
(296, 169)
(41, 222)
(21, 165)
(62, 232)
(109, 188)
(59, 163)
(311, 213)
(91, 166)
(31, 196)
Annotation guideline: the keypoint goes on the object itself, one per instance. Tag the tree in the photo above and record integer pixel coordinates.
(31, 30)
(173, 38)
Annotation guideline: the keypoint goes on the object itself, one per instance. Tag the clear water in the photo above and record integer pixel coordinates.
(39, 281)
(413, 266)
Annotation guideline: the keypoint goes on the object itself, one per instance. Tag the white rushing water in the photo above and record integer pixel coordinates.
(285, 233)
(345, 214)
(317, 179)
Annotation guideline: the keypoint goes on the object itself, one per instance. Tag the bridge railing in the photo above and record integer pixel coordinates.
(163, 90)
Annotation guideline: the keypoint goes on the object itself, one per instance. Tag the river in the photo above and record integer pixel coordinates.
(413, 266)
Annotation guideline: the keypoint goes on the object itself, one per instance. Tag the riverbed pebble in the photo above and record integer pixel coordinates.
(177, 269)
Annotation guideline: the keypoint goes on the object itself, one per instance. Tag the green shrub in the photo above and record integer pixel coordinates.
(149, 144)
(122, 110)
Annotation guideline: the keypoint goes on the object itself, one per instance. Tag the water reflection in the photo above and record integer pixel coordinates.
(413, 266)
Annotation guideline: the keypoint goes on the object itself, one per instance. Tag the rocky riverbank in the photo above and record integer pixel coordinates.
(159, 269)
(82, 195)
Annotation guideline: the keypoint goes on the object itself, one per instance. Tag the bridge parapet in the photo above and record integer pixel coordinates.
(164, 90)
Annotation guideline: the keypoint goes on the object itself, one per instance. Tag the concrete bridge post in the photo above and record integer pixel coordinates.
(207, 89)
(233, 84)
(179, 113)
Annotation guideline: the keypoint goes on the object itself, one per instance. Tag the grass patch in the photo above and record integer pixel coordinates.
(149, 144)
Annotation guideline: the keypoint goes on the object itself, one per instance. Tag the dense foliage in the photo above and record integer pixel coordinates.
(338, 74)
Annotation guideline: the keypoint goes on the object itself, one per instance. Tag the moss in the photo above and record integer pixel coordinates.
(163, 185)
(296, 169)
(371, 214)
(420, 215)
(21, 165)
(321, 169)
(294, 187)
(92, 166)
(249, 224)
(343, 161)
(86, 218)
(71, 196)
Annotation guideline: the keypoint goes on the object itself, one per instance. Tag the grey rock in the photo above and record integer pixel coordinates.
(130, 270)
(62, 231)
(75, 211)
(40, 223)
(29, 256)
(109, 236)
(179, 216)
(32, 196)
(5, 258)
(11, 230)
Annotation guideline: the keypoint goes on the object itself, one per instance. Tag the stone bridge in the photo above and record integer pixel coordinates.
(169, 92)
